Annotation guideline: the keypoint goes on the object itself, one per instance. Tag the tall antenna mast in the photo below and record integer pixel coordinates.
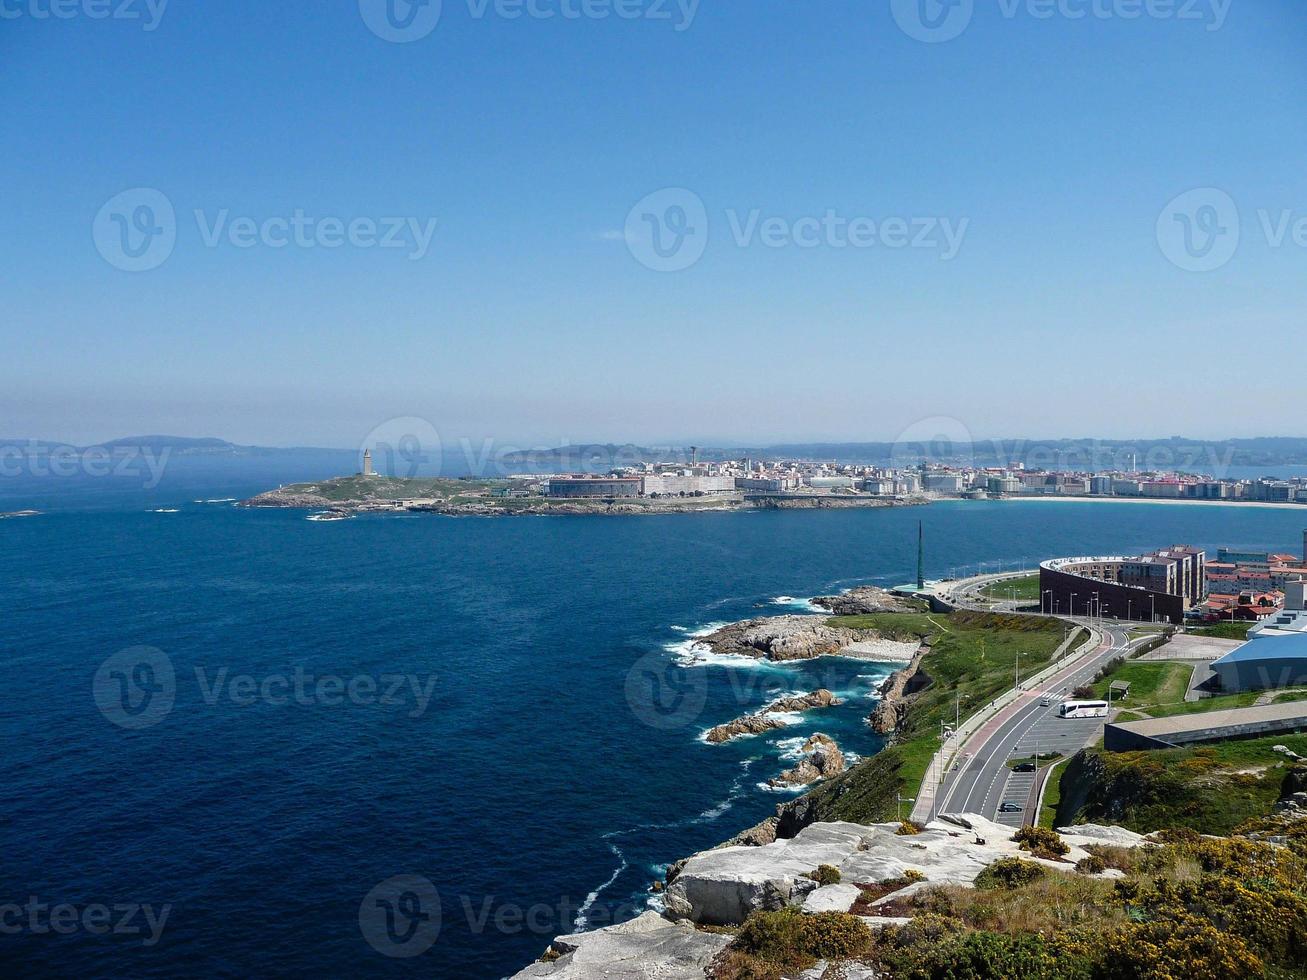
(921, 557)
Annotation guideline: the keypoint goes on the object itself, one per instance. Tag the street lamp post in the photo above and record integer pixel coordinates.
(904, 799)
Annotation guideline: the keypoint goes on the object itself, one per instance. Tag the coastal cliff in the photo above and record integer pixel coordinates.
(890, 710)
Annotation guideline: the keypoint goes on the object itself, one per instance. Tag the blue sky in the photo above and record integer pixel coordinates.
(1054, 145)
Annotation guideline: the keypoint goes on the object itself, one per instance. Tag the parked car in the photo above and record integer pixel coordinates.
(1010, 807)
(1024, 767)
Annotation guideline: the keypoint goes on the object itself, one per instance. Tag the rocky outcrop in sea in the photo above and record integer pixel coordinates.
(780, 638)
(865, 600)
(762, 721)
(822, 759)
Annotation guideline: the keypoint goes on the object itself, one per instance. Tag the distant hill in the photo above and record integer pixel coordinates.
(155, 444)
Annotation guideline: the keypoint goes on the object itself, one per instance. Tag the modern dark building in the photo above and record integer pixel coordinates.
(1161, 585)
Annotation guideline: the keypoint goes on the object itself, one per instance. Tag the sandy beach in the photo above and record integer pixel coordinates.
(1150, 500)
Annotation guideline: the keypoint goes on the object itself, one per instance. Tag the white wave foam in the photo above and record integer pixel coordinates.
(792, 602)
(583, 913)
(688, 654)
(164, 510)
(768, 788)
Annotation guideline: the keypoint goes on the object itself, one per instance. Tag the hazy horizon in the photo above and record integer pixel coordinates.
(1022, 222)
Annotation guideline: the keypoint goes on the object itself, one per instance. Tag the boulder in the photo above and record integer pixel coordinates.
(822, 759)
(748, 725)
(832, 898)
(1091, 833)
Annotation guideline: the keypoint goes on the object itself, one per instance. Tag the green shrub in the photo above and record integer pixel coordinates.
(772, 943)
(1041, 841)
(908, 829)
(980, 956)
(1009, 873)
(826, 874)
(1181, 947)
(1092, 865)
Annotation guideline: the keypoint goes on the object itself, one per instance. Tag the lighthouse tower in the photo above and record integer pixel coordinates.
(367, 463)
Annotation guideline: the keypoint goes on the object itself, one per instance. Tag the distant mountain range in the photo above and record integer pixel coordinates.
(1175, 453)
(175, 445)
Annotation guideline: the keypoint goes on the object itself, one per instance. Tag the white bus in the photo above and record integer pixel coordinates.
(1082, 709)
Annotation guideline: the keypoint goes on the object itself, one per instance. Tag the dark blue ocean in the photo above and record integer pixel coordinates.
(261, 795)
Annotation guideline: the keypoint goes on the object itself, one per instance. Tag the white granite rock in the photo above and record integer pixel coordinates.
(645, 947)
(832, 898)
(1092, 833)
(724, 886)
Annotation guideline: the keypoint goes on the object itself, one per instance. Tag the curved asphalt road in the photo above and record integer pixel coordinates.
(981, 780)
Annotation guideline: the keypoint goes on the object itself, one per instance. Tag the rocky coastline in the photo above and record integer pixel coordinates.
(760, 721)
(798, 637)
(474, 498)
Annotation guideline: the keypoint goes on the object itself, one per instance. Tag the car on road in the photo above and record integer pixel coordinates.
(1010, 807)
